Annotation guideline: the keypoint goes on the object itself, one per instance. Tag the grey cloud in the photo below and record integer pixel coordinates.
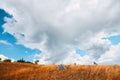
(97, 50)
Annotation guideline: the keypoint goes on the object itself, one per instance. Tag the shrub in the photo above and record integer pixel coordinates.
(29, 62)
(21, 60)
(36, 62)
(7, 60)
(0, 59)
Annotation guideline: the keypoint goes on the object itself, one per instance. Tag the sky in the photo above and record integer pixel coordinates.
(60, 31)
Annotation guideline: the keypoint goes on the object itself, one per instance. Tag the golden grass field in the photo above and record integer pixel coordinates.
(25, 71)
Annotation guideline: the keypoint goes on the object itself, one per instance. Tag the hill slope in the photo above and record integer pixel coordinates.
(24, 71)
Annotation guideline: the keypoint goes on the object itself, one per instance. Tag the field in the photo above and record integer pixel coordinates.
(25, 71)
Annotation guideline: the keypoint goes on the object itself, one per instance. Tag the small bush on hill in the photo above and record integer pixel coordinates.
(7, 60)
(29, 62)
(21, 60)
(36, 62)
(0, 59)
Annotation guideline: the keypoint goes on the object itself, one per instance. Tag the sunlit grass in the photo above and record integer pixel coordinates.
(25, 71)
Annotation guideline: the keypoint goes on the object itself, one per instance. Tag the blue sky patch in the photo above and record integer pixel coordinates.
(81, 52)
(114, 39)
(17, 51)
(13, 51)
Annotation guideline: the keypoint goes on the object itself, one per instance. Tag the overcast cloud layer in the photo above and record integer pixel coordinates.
(59, 27)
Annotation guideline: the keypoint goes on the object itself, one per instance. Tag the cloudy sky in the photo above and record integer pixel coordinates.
(60, 31)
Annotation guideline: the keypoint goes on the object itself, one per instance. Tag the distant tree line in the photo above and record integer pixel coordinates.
(20, 61)
(5, 60)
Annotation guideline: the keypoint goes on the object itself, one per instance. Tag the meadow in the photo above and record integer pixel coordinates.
(26, 71)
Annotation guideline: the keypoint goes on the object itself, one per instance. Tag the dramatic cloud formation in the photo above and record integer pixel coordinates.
(59, 27)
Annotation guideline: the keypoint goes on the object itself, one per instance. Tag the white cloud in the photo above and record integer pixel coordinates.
(58, 27)
(111, 56)
(5, 42)
(4, 57)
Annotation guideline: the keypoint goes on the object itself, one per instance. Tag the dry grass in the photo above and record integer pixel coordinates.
(24, 71)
